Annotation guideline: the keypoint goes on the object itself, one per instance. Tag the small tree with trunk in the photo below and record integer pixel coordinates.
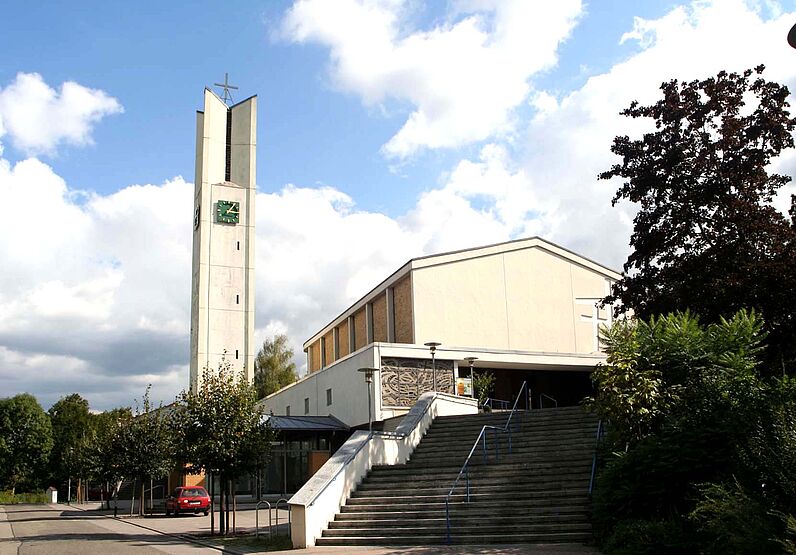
(221, 432)
(144, 446)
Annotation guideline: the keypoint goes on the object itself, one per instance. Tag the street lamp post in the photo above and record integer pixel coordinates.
(471, 360)
(432, 345)
(368, 372)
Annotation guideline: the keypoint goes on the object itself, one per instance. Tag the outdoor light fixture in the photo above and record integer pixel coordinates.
(432, 345)
(368, 372)
(470, 361)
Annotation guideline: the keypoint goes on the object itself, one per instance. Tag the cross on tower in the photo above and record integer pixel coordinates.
(226, 86)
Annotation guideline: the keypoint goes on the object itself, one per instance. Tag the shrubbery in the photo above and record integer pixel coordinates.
(701, 453)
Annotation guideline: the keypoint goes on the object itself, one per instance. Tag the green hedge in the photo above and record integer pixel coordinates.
(8, 498)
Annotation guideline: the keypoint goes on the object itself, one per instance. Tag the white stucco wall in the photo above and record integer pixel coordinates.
(222, 296)
(349, 391)
(529, 299)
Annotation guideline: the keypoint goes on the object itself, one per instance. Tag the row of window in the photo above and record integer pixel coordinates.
(307, 403)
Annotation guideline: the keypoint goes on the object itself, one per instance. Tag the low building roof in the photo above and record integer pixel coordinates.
(306, 423)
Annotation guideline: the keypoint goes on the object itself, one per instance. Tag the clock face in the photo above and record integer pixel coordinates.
(227, 212)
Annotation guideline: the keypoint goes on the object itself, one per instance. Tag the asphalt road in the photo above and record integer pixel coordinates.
(44, 529)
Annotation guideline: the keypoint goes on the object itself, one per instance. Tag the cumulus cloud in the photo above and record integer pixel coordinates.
(462, 78)
(39, 118)
(568, 140)
(94, 295)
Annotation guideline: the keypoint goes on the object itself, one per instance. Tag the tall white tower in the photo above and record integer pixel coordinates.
(222, 294)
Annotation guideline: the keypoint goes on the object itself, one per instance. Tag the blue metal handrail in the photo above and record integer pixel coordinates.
(465, 470)
(600, 430)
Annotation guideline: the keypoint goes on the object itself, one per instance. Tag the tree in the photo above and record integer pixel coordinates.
(142, 447)
(706, 236)
(72, 436)
(273, 366)
(220, 431)
(25, 441)
(106, 450)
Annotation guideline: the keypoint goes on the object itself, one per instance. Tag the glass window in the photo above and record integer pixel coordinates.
(328, 397)
(306, 405)
(287, 410)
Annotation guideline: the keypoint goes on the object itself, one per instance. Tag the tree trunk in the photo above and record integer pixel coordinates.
(211, 488)
(221, 529)
(226, 507)
(141, 508)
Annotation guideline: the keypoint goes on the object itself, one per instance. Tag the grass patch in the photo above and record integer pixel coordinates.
(36, 497)
(249, 543)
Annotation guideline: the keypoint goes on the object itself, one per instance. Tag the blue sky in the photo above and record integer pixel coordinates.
(155, 61)
(400, 127)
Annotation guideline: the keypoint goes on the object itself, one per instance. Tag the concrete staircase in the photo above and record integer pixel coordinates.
(537, 494)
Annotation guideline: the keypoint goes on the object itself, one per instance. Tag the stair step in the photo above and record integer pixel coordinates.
(475, 497)
(402, 530)
(457, 519)
(460, 538)
(368, 512)
(443, 486)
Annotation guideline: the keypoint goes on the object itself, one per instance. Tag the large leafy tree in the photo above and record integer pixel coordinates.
(273, 366)
(25, 441)
(706, 236)
(220, 431)
(72, 435)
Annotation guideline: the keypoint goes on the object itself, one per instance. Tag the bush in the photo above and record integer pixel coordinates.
(733, 521)
(36, 497)
(653, 537)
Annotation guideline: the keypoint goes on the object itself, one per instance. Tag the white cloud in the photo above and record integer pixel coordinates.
(462, 78)
(94, 295)
(38, 118)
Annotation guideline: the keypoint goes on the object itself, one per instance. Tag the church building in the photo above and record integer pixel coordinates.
(524, 310)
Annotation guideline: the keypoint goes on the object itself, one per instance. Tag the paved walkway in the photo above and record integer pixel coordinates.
(84, 530)
(45, 529)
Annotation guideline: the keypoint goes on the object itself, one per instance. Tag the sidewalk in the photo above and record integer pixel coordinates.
(191, 525)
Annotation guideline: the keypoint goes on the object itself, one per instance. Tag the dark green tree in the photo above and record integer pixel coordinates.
(72, 435)
(706, 236)
(220, 431)
(25, 442)
(273, 366)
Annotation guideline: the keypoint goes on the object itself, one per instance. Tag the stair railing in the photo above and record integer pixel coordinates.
(492, 402)
(544, 396)
(600, 431)
(481, 439)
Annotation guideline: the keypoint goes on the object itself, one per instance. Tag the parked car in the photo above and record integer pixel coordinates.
(188, 499)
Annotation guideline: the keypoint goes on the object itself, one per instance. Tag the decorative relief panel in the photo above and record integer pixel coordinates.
(404, 379)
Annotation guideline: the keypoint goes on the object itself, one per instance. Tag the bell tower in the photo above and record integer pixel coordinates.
(222, 292)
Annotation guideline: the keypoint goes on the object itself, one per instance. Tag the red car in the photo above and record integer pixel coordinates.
(189, 499)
